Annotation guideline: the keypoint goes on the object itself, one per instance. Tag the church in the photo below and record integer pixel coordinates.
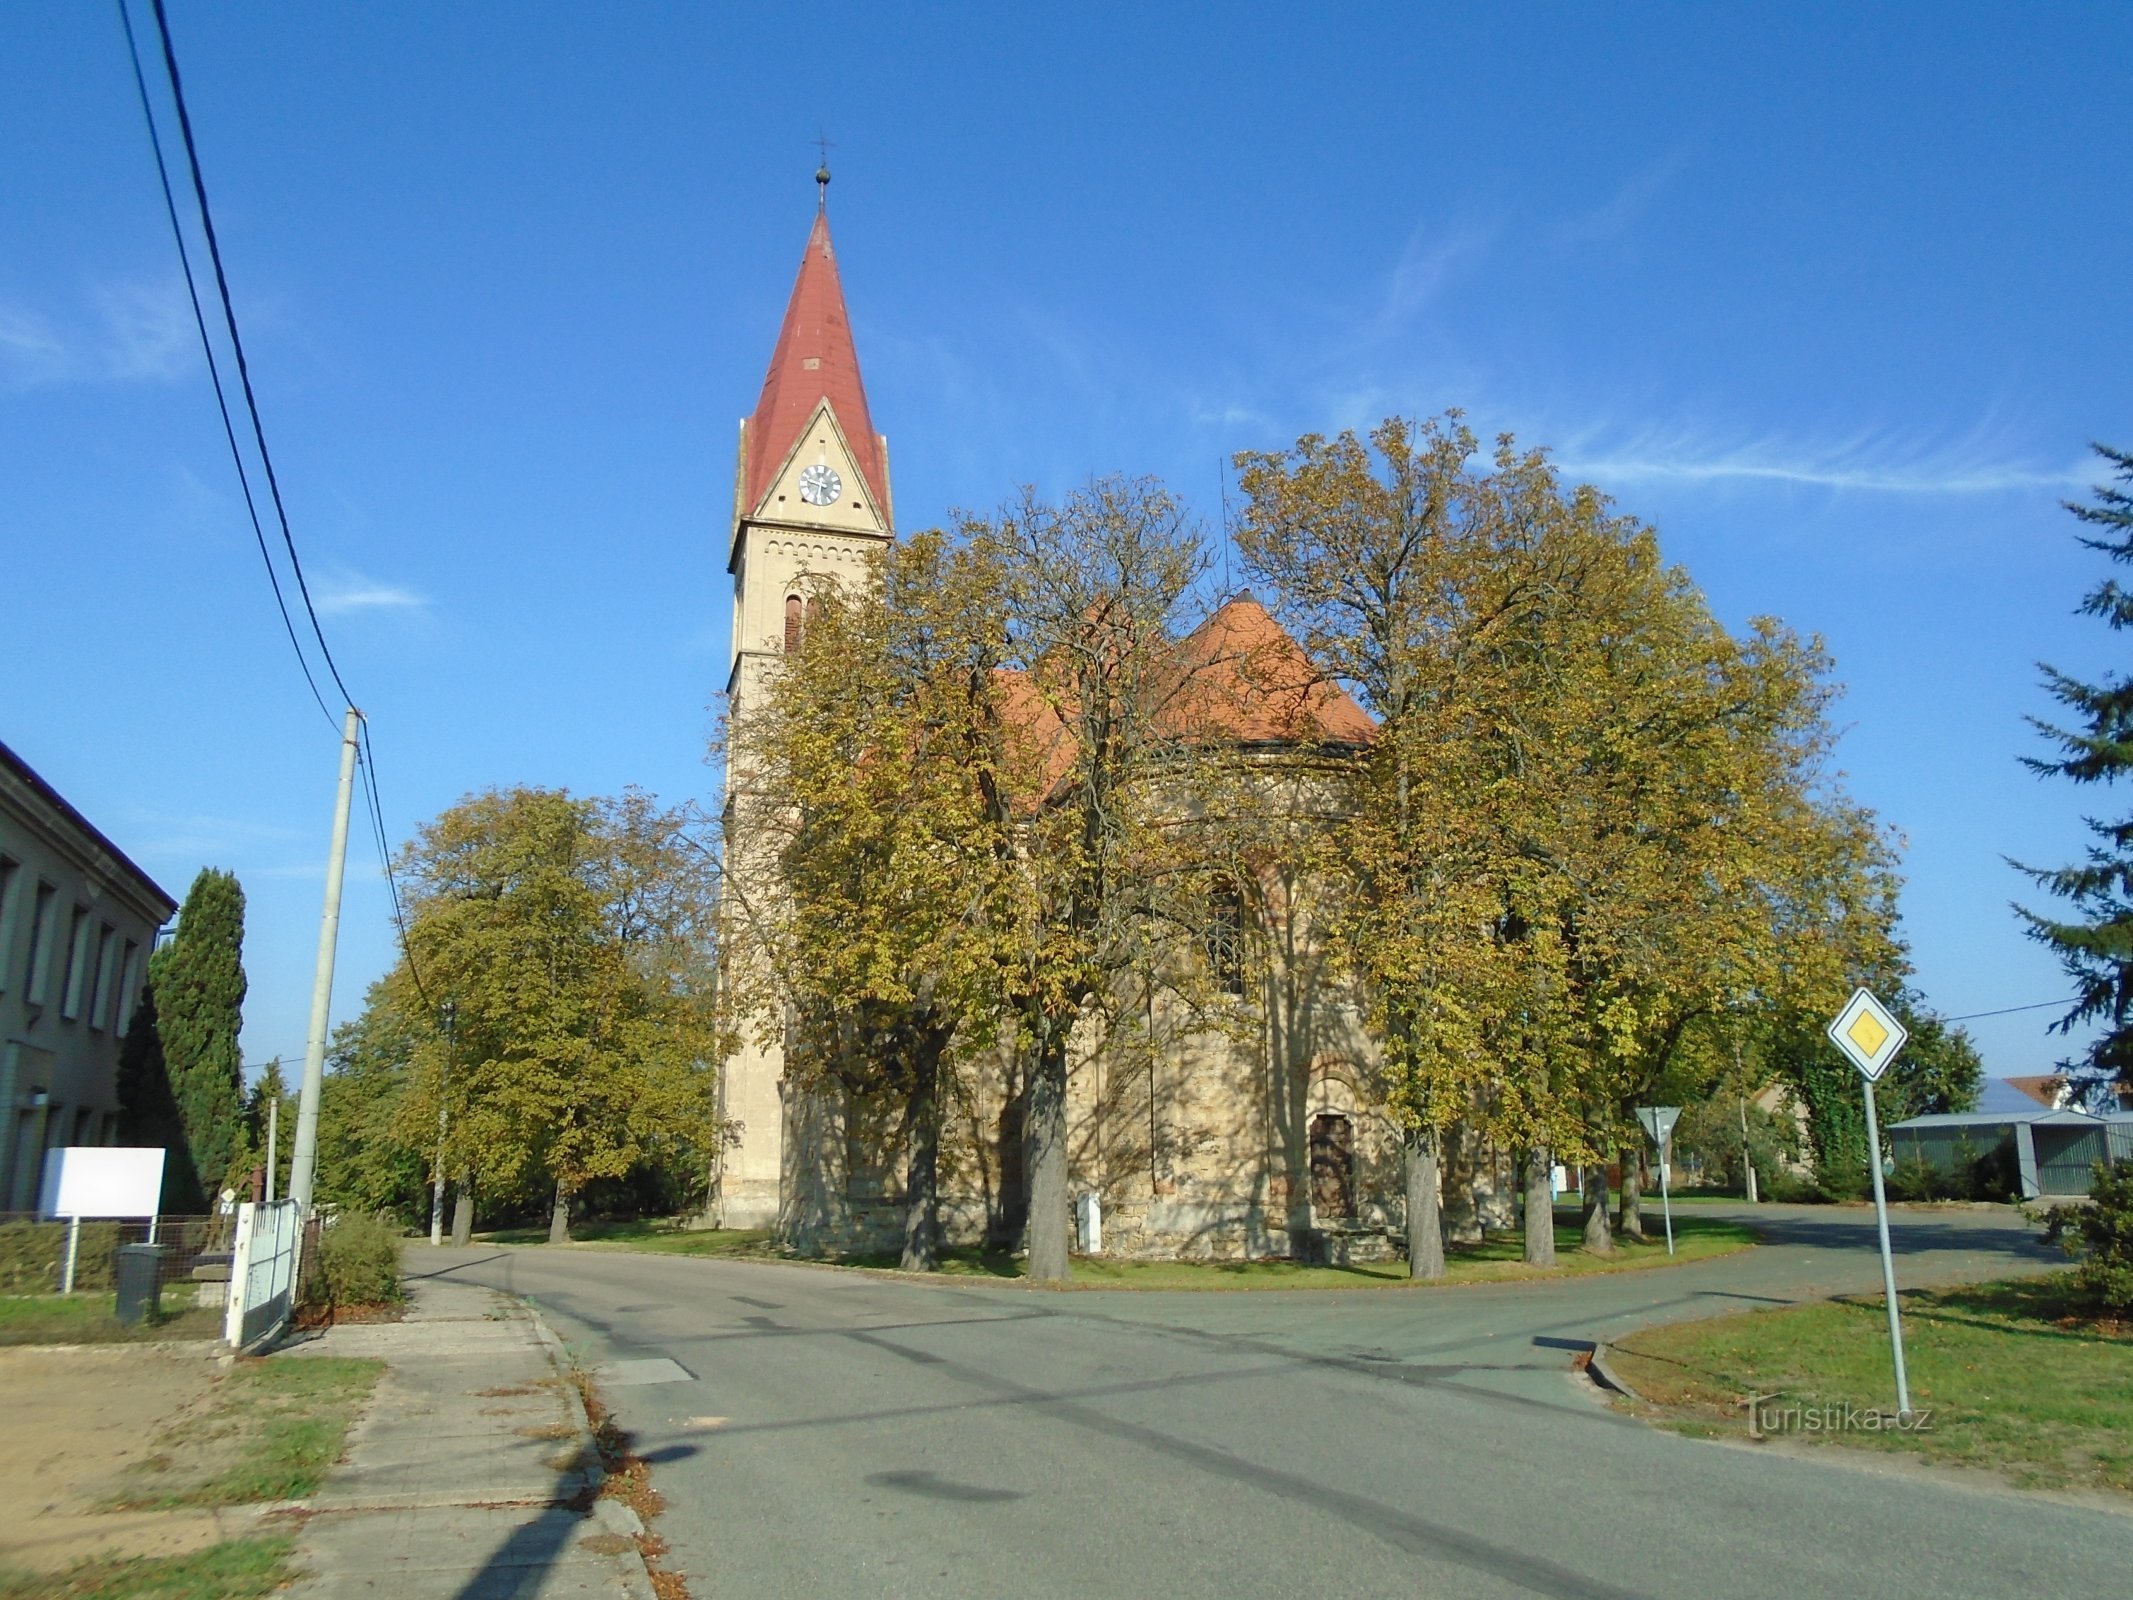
(1261, 1137)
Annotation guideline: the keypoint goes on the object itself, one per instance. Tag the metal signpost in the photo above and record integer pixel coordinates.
(1659, 1123)
(1870, 1037)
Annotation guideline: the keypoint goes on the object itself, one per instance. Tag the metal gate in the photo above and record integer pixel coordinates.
(262, 1273)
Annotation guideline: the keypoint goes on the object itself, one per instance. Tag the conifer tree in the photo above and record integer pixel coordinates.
(2095, 944)
(148, 1111)
(198, 983)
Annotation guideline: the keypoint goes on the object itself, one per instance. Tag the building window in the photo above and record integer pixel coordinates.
(795, 624)
(1224, 936)
(10, 875)
(129, 974)
(77, 980)
(38, 975)
(100, 989)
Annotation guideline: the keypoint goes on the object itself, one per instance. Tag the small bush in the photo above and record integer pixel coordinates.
(2100, 1236)
(358, 1264)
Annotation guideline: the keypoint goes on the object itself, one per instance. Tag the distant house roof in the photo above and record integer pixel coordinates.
(2046, 1088)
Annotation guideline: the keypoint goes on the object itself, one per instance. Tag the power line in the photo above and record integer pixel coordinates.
(229, 315)
(2040, 1005)
(214, 369)
(368, 764)
(366, 750)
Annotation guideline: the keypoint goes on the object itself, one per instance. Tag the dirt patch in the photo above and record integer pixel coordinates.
(79, 1419)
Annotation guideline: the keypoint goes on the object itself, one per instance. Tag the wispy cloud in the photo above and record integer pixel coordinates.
(1872, 463)
(153, 834)
(32, 354)
(338, 592)
(1625, 208)
(148, 333)
(1429, 260)
(131, 333)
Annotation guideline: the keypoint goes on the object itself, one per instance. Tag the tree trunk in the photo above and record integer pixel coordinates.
(1598, 1238)
(559, 1217)
(1540, 1208)
(922, 1164)
(1629, 1221)
(1048, 1212)
(1425, 1207)
(463, 1212)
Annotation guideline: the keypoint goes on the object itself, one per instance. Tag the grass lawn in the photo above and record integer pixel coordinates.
(273, 1430)
(1494, 1260)
(90, 1319)
(2014, 1381)
(236, 1569)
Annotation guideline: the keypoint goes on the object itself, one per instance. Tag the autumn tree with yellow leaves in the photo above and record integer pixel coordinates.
(1592, 816)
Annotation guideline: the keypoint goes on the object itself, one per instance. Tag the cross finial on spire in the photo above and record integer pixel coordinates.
(822, 173)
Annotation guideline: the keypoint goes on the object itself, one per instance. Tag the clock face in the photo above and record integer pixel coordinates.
(820, 485)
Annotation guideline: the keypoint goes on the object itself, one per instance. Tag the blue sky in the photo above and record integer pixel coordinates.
(1835, 300)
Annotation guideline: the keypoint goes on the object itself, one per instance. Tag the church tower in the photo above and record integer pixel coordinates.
(810, 499)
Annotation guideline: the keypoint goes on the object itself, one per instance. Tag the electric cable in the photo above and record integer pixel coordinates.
(214, 370)
(229, 315)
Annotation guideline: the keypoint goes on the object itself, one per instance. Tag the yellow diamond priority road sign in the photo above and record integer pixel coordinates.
(1866, 1033)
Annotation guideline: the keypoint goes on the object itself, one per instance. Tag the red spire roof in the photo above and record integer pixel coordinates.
(814, 361)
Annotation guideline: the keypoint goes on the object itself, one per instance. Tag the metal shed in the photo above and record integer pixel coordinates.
(2055, 1151)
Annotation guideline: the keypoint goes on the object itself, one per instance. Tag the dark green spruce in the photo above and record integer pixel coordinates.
(197, 981)
(2094, 940)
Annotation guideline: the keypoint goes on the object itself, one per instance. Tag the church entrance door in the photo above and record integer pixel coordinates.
(1333, 1167)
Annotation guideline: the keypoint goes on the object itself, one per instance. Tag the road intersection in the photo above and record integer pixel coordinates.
(830, 1433)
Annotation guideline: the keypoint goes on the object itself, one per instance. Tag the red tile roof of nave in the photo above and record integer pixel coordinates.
(816, 329)
(1251, 681)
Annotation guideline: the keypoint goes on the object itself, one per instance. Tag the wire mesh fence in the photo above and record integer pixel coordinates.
(33, 1251)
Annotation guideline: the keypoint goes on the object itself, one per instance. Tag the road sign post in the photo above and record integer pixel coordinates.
(1870, 1037)
(1659, 1123)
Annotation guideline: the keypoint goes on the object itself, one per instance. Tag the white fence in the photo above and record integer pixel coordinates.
(262, 1272)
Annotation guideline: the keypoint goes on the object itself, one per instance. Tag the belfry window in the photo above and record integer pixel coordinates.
(795, 624)
(1224, 936)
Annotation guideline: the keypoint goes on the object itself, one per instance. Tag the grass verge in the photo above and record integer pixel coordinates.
(92, 1319)
(271, 1431)
(1497, 1258)
(2014, 1381)
(236, 1569)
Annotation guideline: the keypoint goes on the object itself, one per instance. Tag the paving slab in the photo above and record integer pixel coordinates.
(473, 1474)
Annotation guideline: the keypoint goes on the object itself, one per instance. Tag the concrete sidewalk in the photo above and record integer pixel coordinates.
(473, 1476)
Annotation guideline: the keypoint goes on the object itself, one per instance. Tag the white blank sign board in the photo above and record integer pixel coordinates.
(98, 1181)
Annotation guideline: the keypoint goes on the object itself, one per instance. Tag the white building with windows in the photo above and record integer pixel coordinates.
(77, 922)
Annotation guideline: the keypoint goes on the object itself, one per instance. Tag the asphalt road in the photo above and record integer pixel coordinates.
(829, 1434)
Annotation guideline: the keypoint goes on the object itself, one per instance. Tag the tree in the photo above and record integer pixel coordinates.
(1096, 593)
(2095, 945)
(885, 899)
(1937, 1071)
(573, 937)
(1591, 816)
(148, 1110)
(270, 1110)
(197, 980)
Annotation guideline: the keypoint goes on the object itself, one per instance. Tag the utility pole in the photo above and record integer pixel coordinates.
(451, 1018)
(1747, 1156)
(303, 1160)
(273, 1142)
